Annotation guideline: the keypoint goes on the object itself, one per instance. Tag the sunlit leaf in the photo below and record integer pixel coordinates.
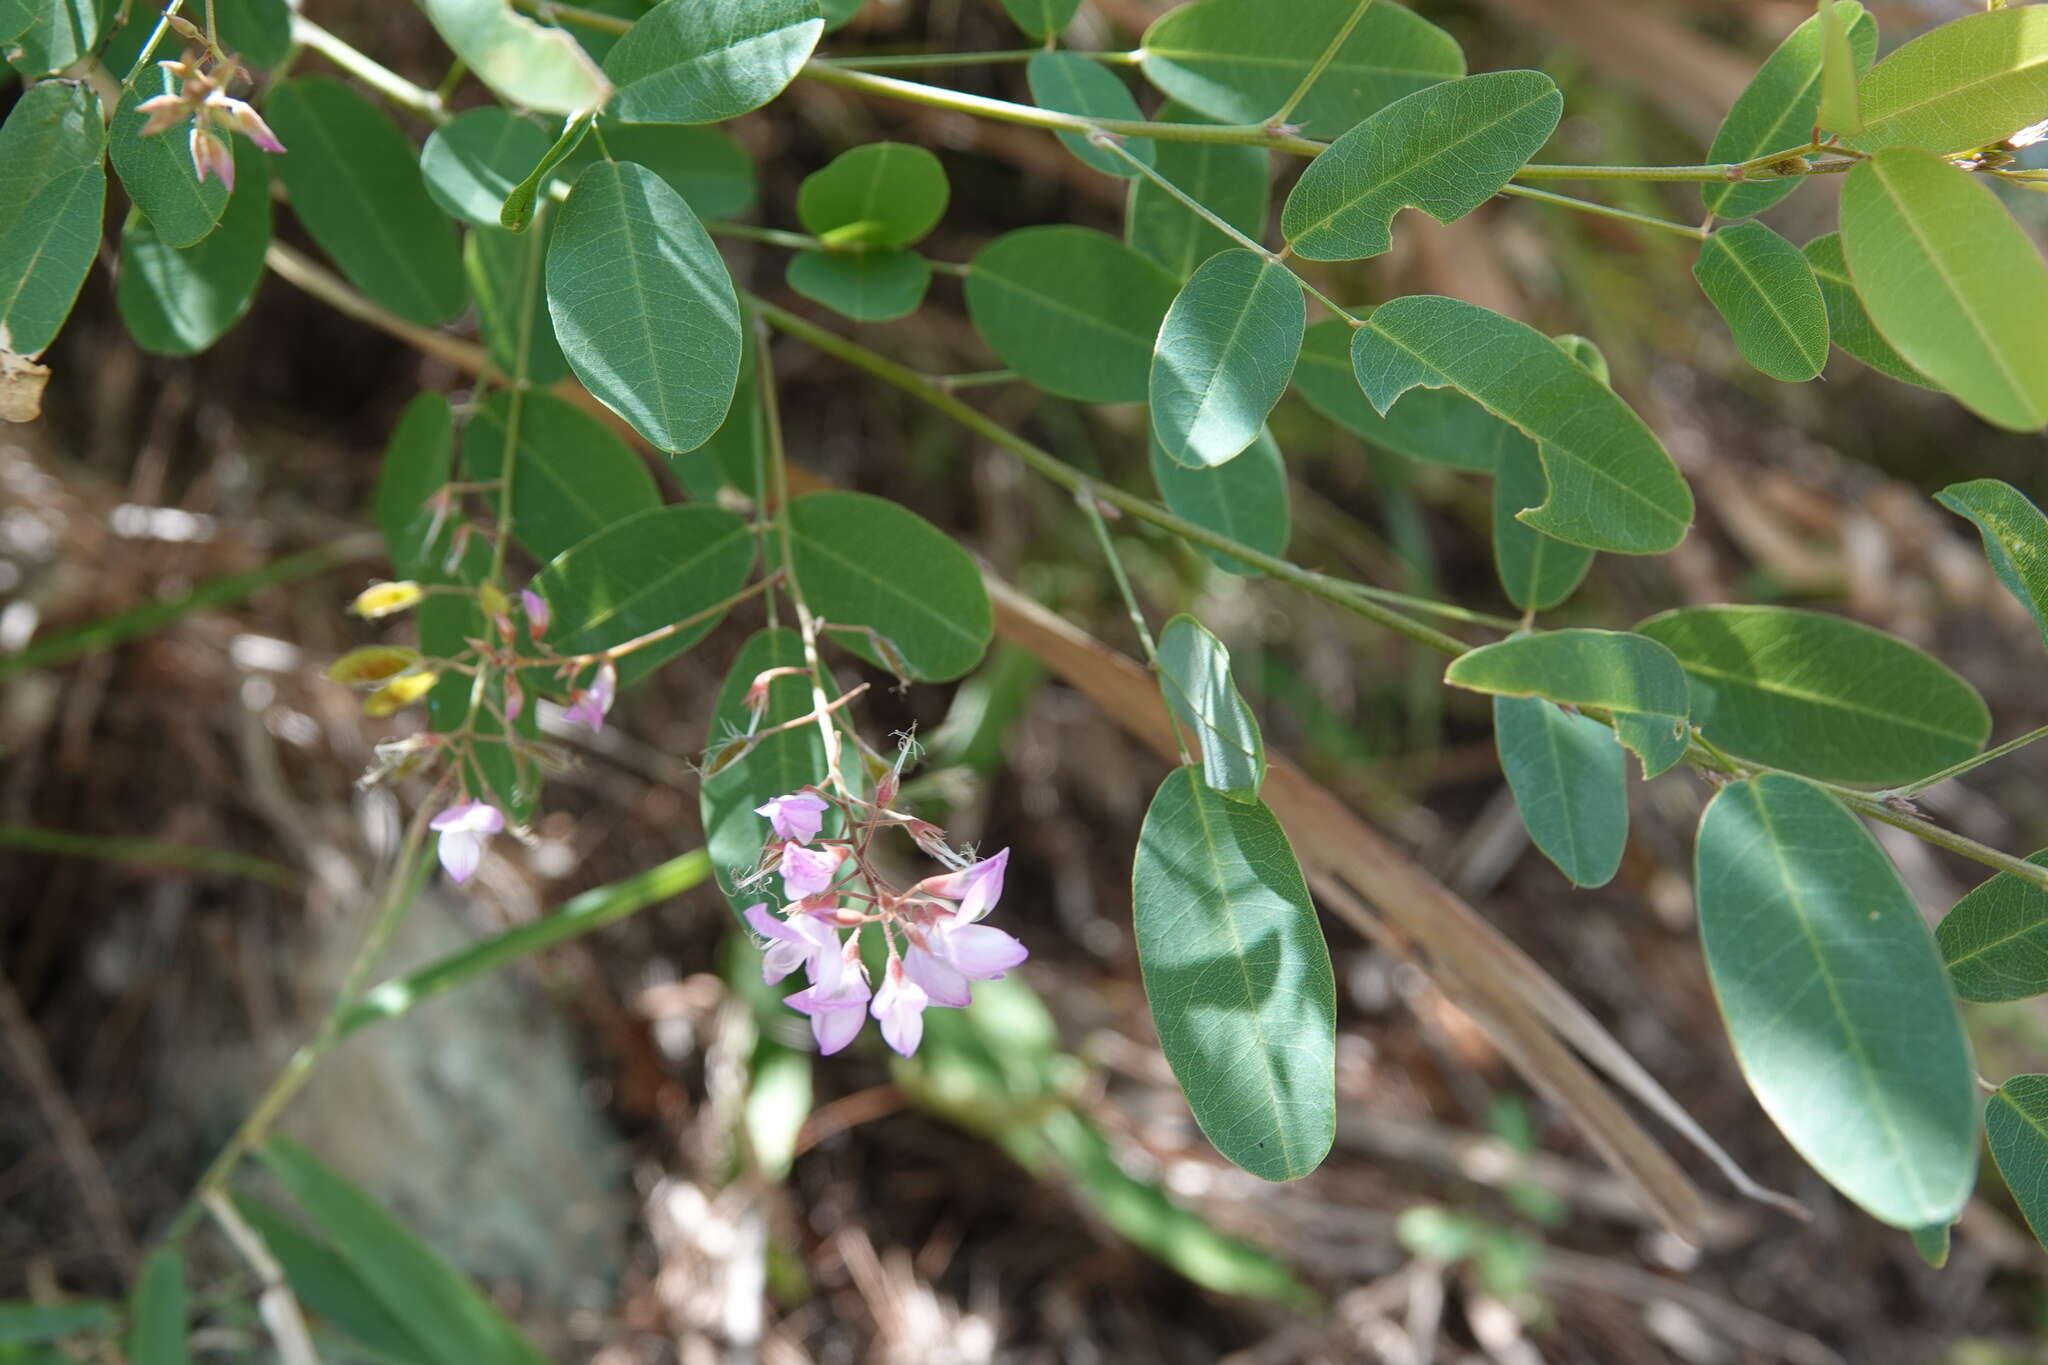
(1840, 111)
(1778, 109)
(1968, 83)
(471, 162)
(1225, 352)
(2015, 539)
(61, 32)
(1072, 310)
(1764, 290)
(690, 62)
(1570, 782)
(1995, 940)
(1441, 426)
(519, 60)
(53, 128)
(157, 171)
(1635, 680)
(1194, 673)
(1849, 326)
(1070, 83)
(883, 194)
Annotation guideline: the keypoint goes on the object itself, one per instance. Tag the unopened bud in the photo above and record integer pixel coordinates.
(383, 599)
(399, 693)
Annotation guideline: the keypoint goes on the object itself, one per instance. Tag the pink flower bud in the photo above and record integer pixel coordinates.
(536, 612)
(210, 156)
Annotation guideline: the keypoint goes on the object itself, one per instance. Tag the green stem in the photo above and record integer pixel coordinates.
(1924, 829)
(1602, 210)
(369, 71)
(934, 61)
(973, 379)
(1322, 64)
(796, 241)
(147, 853)
(1958, 769)
(1722, 171)
(163, 21)
(1123, 580)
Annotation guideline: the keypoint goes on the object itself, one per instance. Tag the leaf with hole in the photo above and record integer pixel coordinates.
(1245, 500)
(866, 562)
(1995, 940)
(1820, 695)
(1835, 1000)
(1225, 352)
(1971, 82)
(1440, 426)
(1765, 291)
(1536, 571)
(1231, 181)
(354, 181)
(45, 254)
(883, 194)
(1570, 782)
(570, 477)
(1612, 484)
(1237, 976)
(867, 286)
(1633, 679)
(521, 61)
(1849, 325)
(1445, 150)
(1194, 674)
(1232, 60)
(1071, 310)
(1069, 83)
(2015, 537)
(1777, 111)
(688, 62)
(643, 306)
(178, 301)
(2016, 1122)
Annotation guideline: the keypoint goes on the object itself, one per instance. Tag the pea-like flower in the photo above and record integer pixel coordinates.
(977, 887)
(807, 871)
(899, 1008)
(836, 1014)
(202, 97)
(463, 830)
(797, 817)
(803, 940)
(591, 704)
(951, 951)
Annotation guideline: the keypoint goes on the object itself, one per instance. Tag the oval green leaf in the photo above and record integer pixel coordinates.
(643, 306)
(1570, 782)
(1633, 679)
(867, 286)
(688, 62)
(1230, 181)
(1835, 1000)
(1234, 62)
(354, 182)
(866, 562)
(881, 195)
(2015, 539)
(1445, 150)
(2016, 1122)
(45, 254)
(53, 128)
(1995, 940)
(651, 570)
(1778, 109)
(471, 162)
(1041, 18)
(1967, 84)
(1194, 675)
(1225, 353)
(1612, 484)
(1069, 83)
(1820, 695)
(157, 171)
(179, 301)
(739, 776)
(1237, 976)
(1764, 290)
(1951, 281)
(522, 62)
(1536, 571)
(1072, 310)
(1440, 426)
(1245, 500)
(1849, 326)
(570, 477)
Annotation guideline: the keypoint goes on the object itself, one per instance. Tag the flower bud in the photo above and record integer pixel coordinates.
(399, 693)
(493, 600)
(371, 664)
(382, 599)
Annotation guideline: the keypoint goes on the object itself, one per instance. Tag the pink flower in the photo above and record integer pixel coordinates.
(515, 698)
(463, 830)
(899, 1008)
(954, 951)
(210, 156)
(593, 702)
(803, 940)
(836, 1014)
(977, 886)
(536, 612)
(797, 818)
(238, 115)
(807, 871)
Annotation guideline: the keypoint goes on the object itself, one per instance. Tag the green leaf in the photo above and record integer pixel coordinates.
(45, 254)
(1237, 976)
(1820, 695)
(1570, 782)
(1245, 500)
(15, 17)
(258, 31)
(1835, 1000)
(651, 570)
(1995, 940)
(571, 478)
(1764, 290)
(2015, 539)
(1233, 61)
(1440, 426)
(1633, 679)
(865, 561)
(1612, 485)
(883, 194)
(1968, 83)
(1778, 109)
(1230, 181)
(354, 182)
(1951, 282)
(517, 211)
(1849, 326)
(520, 61)
(643, 306)
(737, 779)
(737, 453)
(505, 271)
(27, 1322)
(1225, 353)
(62, 32)
(53, 128)
(156, 1311)
(1445, 150)
(1072, 310)
(689, 62)
(1931, 1243)
(179, 301)
(1194, 674)
(1840, 111)
(2016, 1122)
(1069, 83)
(435, 1303)
(474, 160)
(157, 171)
(705, 166)
(1536, 571)
(325, 1284)
(1041, 18)
(417, 462)
(867, 286)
